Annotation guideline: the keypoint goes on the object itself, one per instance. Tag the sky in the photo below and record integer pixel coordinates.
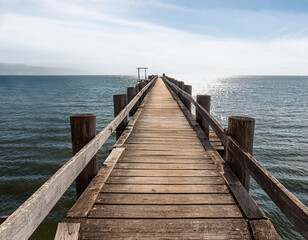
(242, 37)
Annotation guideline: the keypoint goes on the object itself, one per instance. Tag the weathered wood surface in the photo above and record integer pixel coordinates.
(67, 231)
(242, 130)
(83, 130)
(169, 229)
(293, 209)
(23, 222)
(164, 185)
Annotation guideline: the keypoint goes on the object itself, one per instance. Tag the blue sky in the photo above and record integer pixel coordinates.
(114, 37)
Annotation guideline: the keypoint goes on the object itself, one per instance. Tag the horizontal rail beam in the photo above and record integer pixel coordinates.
(23, 222)
(289, 205)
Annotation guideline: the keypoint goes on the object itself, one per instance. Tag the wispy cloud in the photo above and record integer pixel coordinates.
(113, 37)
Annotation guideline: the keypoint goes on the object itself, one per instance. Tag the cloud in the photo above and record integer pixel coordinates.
(96, 38)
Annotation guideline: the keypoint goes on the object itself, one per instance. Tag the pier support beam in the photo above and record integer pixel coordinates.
(119, 102)
(205, 102)
(186, 102)
(242, 130)
(83, 130)
(131, 93)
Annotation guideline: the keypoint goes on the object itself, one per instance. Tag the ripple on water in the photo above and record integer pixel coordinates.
(35, 133)
(280, 106)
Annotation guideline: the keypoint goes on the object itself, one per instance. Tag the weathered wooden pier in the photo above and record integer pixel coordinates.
(169, 175)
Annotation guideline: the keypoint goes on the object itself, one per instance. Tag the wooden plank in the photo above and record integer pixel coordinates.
(23, 222)
(162, 141)
(165, 211)
(133, 188)
(166, 180)
(193, 123)
(210, 120)
(152, 147)
(197, 166)
(165, 229)
(164, 160)
(67, 231)
(263, 230)
(247, 204)
(163, 173)
(133, 198)
(129, 128)
(84, 203)
(165, 154)
(155, 236)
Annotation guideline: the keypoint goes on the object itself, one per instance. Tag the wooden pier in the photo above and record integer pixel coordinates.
(164, 179)
(164, 184)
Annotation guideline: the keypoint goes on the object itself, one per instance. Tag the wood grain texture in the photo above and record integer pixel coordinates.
(133, 188)
(84, 204)
(166, 180)
(263, 230)
(166, 199)
(223, 229)
(67, 231)
(165, 211)
(83, 129)
(163, 173)
(174, 166)
(242, 130)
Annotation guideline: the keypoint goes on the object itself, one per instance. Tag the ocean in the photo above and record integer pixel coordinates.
(35, 131)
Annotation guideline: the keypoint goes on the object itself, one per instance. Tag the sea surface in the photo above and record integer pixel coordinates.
(35, 131)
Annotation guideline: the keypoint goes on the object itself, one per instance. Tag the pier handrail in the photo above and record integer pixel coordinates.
(289, 205)
(23, 222)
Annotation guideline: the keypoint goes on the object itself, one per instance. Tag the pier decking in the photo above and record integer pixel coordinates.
(159, 182)
(165, 177)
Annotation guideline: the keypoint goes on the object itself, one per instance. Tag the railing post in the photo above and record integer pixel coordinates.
(242, 130)
(119, 102)
(138, 88)
(141, 86)
(176, 82)
(181, 85)
(146, 83)
(205, 102)
(131, 93)
(187, 103)
(83, 129)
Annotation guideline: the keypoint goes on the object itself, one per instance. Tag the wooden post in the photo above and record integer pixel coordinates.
(187, 103)
(205, 102)
(177, 83)
(146, 83)
(242, 130)
(131, 93)
(181, 85)
(142, 85)
(83, 129)
(119, 102)
(138, 88)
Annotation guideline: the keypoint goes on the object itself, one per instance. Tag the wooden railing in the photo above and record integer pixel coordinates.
(290, 206)
(23, 222)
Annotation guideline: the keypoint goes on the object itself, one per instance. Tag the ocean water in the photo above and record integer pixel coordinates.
(35, 131)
